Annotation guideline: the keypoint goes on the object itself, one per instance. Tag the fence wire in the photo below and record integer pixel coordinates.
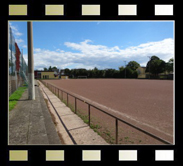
(18, 69)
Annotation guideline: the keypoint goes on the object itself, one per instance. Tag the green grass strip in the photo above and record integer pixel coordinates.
(15, 96)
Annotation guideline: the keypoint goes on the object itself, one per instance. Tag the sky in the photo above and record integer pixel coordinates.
(101, 44)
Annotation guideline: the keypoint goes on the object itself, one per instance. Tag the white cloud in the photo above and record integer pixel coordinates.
(59, 50)
(24, 46)
(37, 49)
(15, 31)
(19, 41)
(90, 55)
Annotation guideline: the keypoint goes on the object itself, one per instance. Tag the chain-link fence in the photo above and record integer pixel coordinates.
(23, 69)
(18, 69)
(12, 64)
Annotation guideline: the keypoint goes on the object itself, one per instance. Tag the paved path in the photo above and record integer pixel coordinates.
(35, 122)
(30, 122)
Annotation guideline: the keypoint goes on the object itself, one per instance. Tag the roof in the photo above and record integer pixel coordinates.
(43, 71)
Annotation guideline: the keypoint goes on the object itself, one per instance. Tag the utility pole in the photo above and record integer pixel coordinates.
(149, 64)
(31, 89)
(125, 69)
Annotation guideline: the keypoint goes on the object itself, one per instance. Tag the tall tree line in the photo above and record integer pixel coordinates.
(154, 67)
(123, 72)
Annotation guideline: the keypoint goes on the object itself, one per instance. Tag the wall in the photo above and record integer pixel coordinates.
(141, 72)
(64, 77)
(49, 74)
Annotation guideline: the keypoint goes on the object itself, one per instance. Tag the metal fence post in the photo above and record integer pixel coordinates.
(89, 114)
(116, 131)
(67, 99)
(75, 105)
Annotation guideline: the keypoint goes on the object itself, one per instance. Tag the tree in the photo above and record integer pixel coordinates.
(169, 65)
(121, 72)
(73, 73)
(133, 65)
(95, 72)
(116, 74)
(90, 73)
(121, 68)
(149, 63)
(82, 72)
(110, 73)
(67, 71)
(54, 67)
(155, 66)
(45, 69)
(129, 72)
(134, 74)
(50, 68)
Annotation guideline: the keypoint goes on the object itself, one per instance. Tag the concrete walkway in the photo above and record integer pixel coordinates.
(71, 128)
(30, 122)
(38, 122)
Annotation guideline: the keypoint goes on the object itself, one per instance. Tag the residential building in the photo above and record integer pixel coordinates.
(45, 74)
(141, 72)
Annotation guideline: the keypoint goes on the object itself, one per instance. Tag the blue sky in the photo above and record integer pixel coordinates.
(99, 44)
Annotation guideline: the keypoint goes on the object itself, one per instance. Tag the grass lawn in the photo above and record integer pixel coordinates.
(15, 96)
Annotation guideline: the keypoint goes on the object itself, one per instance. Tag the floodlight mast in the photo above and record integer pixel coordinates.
(31, 88)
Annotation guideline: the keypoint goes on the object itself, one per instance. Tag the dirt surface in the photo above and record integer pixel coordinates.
(145, 103)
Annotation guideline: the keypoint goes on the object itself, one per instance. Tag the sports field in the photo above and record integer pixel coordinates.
(147, 104)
